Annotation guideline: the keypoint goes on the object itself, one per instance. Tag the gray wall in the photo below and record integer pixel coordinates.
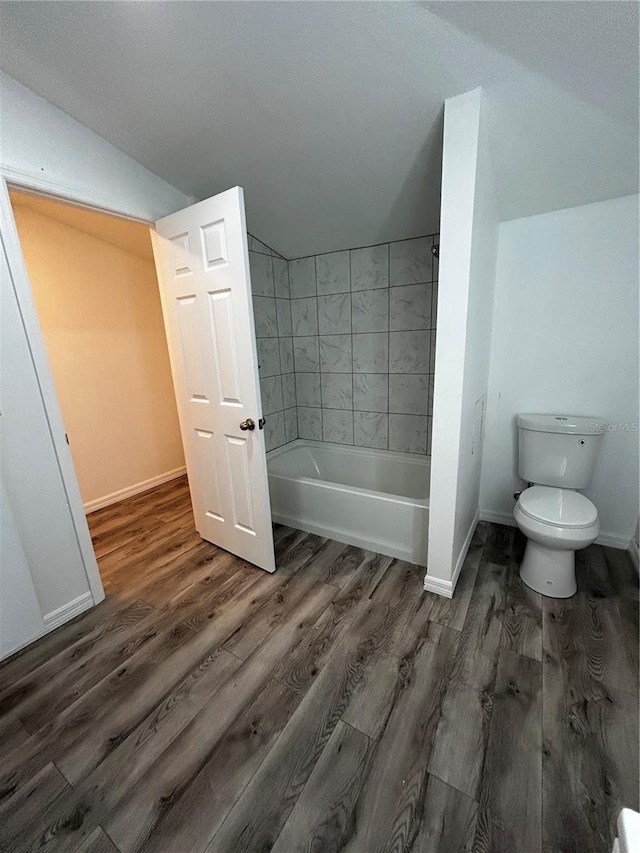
(349, 339)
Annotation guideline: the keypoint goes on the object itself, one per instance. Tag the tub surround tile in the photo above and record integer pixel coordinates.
(272, 320)
(264, 317)
(410, 261)
(370, 267)
(371, 392)
(337, 426)
(281, 278)
(271, 393)
(432, 355)
(434, 304)
(302, 277)
(286, 355)
(274, 431)
(256, 245)
(409, 394)
(371, 429)
(304, 316)
(410, 307)
(283, 313)
(289, 390)
(306, 355)
(371, 353)
(435, 262)
(332, 273)
(346, 344)
(290, 424)
(409, 352)
(429, 434)
(310, 423)
(370, 311)
(261, 268)
(408, 433)
(268, 356)
(308, 389)
(334, 314)
(335, 354)
(337, 390)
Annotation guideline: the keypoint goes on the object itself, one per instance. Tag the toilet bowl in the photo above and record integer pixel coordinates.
(557, 522)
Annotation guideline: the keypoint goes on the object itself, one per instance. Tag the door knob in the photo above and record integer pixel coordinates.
(248, 424)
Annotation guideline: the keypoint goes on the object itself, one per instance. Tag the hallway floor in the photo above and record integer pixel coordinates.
(332, 706)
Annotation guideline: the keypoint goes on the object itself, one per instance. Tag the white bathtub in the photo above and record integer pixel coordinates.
(375, 499)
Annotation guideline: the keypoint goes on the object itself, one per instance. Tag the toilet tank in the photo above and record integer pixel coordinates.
(558, 450)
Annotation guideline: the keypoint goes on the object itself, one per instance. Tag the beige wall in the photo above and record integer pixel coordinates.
(100, 313)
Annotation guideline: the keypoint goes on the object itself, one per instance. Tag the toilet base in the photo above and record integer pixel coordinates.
(549, 571)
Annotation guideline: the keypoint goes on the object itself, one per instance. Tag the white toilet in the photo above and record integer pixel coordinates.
(556, 455)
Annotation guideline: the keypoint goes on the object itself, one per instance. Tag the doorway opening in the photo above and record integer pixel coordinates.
(96, 292)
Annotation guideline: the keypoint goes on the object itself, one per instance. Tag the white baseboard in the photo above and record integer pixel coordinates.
(621, 542)
(633, 554)
(23, 645)
(54, 620)
(68, 611)
(130, 491)
(444, 587)
(498, 518)
(439, 586)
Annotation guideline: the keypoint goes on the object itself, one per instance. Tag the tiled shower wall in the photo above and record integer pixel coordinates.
(272, 317)
(349, 340)
(363, 325)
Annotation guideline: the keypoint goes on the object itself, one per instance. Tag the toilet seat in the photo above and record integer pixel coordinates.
(557, 507)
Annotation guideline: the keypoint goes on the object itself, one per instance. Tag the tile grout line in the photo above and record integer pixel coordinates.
(369, 246)
(350, 294)
(278, 338)
(353, 375)
(323, 374)
(271, 249)
(315, 283)
(388, 347)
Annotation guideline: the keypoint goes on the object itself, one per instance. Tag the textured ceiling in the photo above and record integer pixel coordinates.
(330, 114)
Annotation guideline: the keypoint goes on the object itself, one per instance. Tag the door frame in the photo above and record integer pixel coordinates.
(45, 187)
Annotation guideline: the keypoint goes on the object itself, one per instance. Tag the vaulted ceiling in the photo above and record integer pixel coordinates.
(330, 114)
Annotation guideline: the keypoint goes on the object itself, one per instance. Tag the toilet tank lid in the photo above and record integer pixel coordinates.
(575, 424)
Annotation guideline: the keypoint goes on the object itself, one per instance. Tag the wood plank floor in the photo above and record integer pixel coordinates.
(208, 707)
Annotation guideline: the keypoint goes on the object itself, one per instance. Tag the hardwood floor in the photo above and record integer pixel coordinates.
(209, 707)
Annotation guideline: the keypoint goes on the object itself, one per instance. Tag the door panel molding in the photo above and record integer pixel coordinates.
(202, 261)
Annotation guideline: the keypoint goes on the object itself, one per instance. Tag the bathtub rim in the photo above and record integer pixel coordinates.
(360, 451)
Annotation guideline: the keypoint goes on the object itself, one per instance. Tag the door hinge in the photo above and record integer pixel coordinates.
(66, 437)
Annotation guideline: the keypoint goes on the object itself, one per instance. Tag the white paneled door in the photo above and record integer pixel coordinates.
(203, 269)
